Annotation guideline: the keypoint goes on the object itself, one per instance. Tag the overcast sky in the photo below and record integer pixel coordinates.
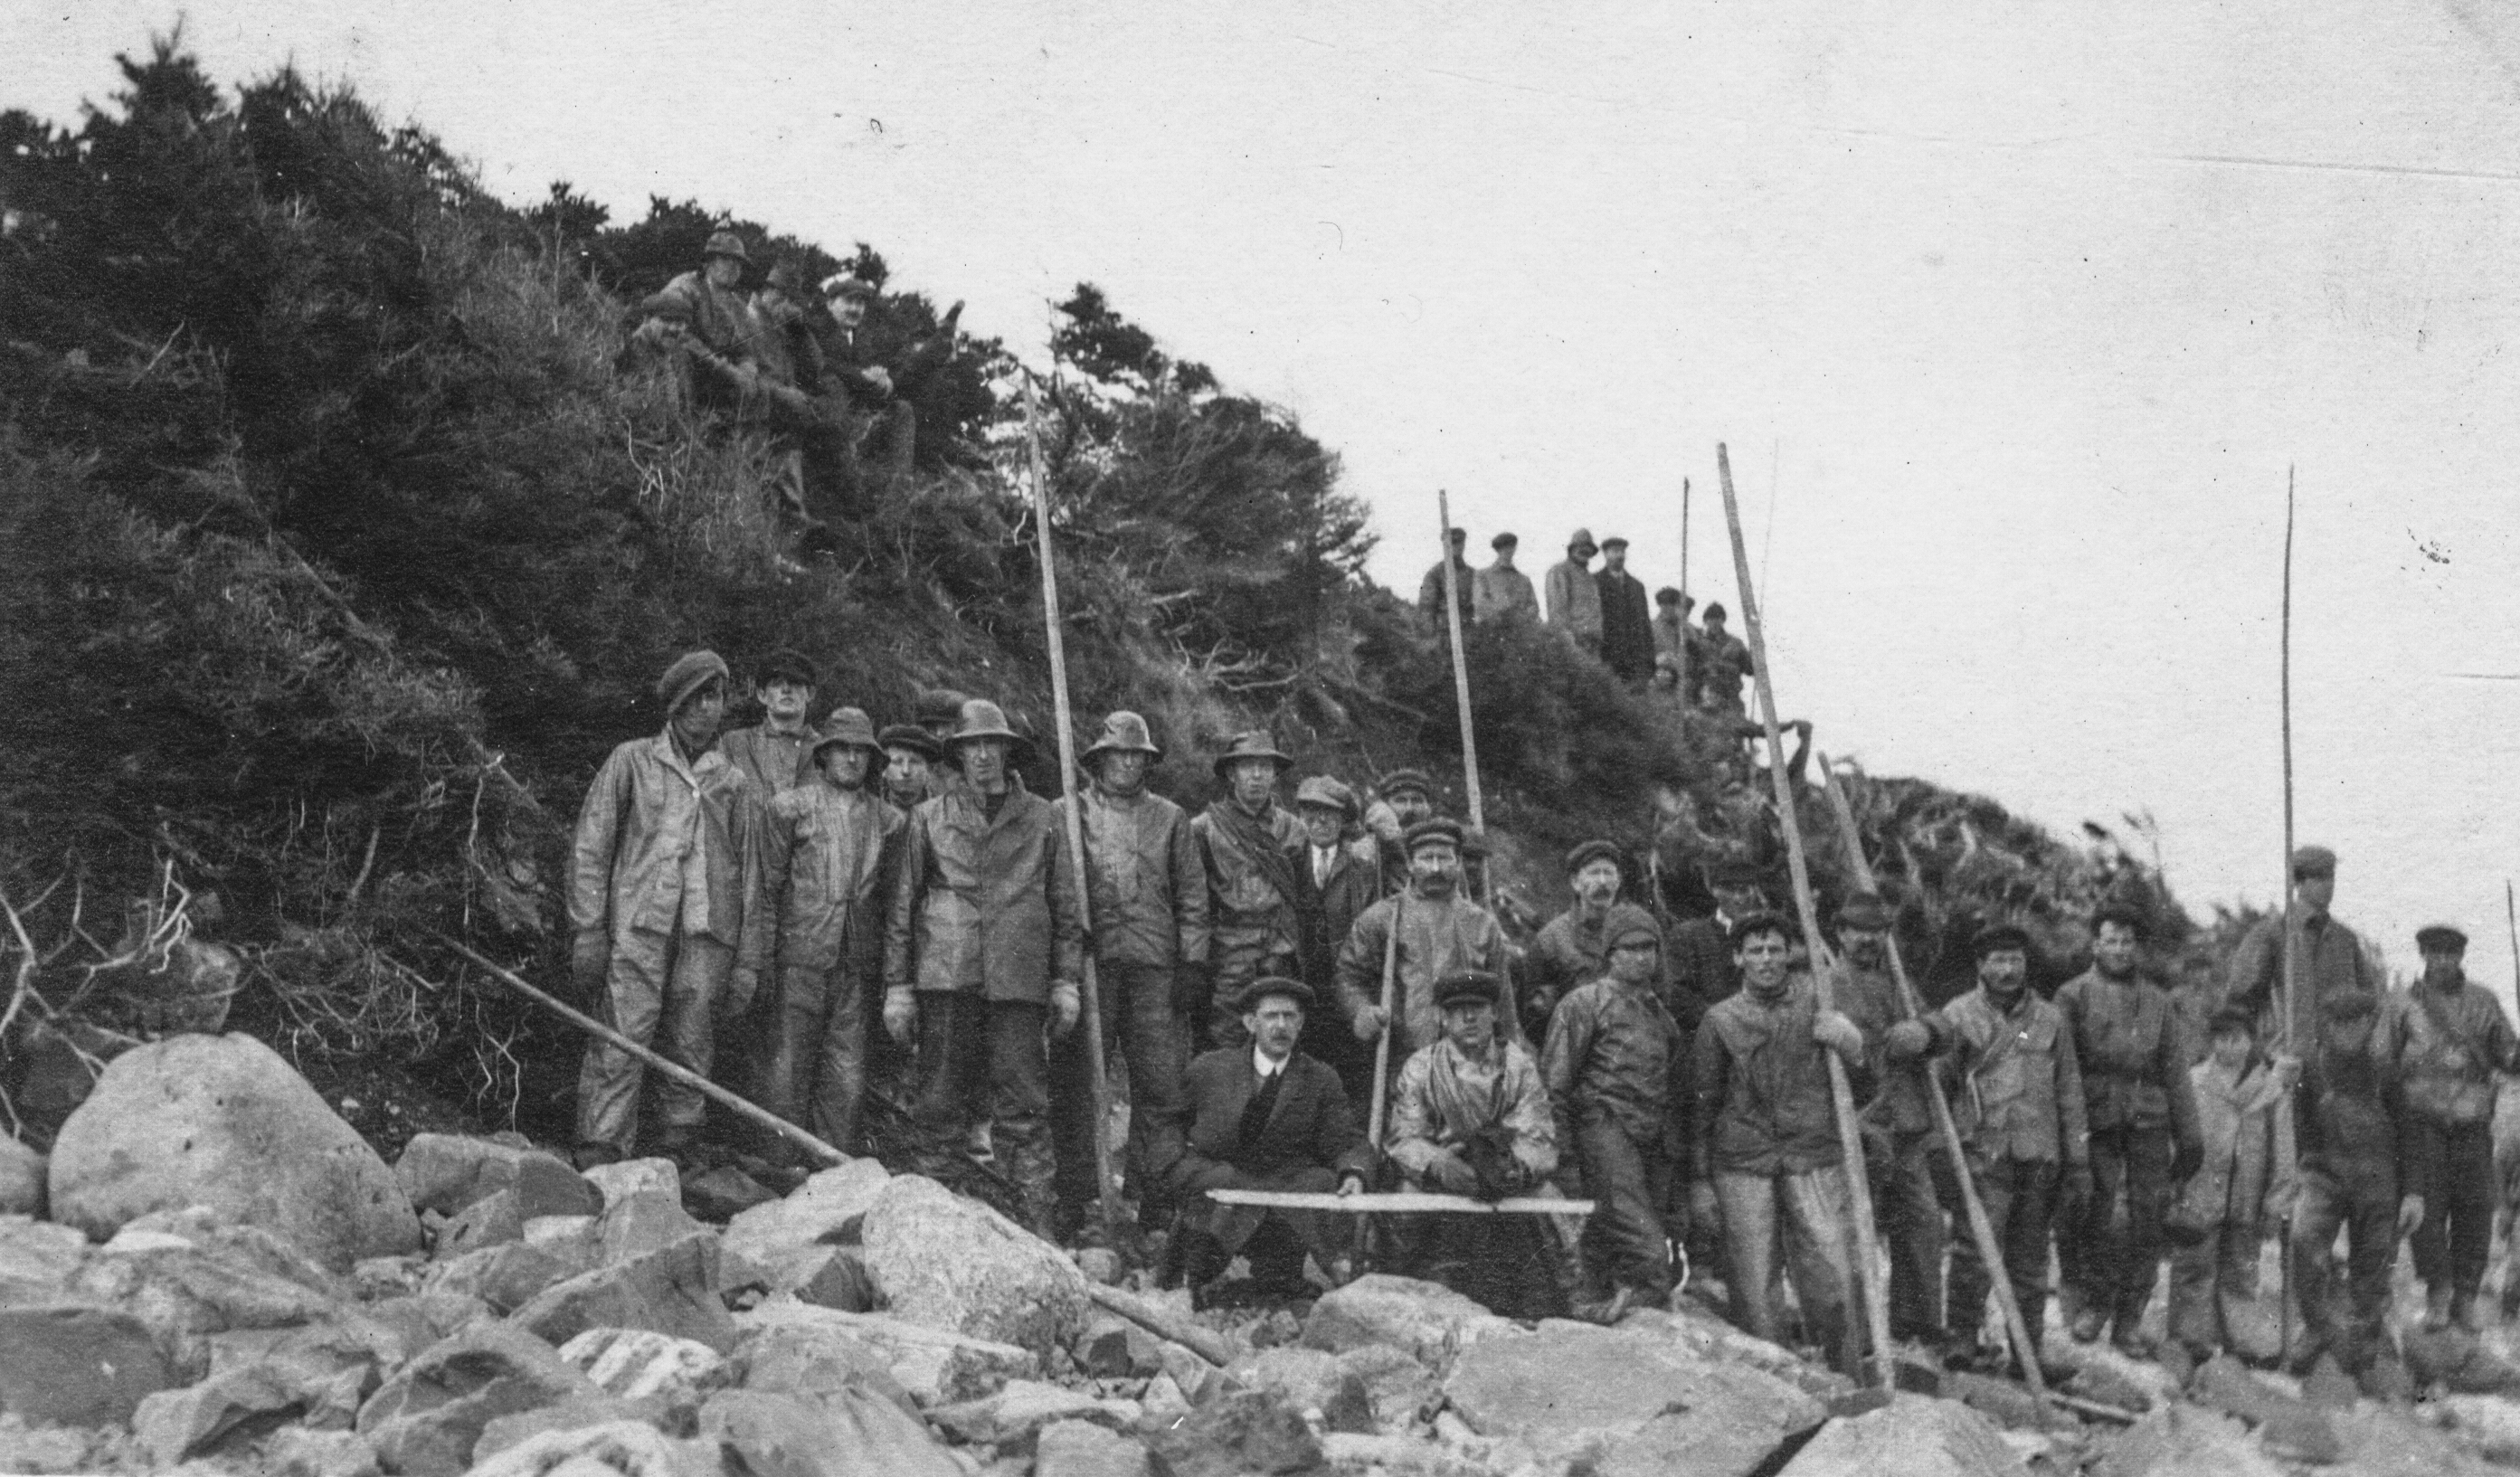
(2013, 315)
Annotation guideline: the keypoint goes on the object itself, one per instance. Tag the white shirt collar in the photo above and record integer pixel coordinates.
(1261, 1063)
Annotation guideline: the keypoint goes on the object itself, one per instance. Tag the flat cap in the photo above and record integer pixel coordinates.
(1465, 987)
(1504, 541)
(1327, 794)
(789, 666)
(688, 673)
(1615, 541)
(1714, 610)
(1865, 910)
(1995, 938)
(1273, 984)
(912, 737)
(1596, 851)
(1668, 596)
(2313, 862)
(1401, 781)
(2234, 1020)
(2447, 938)
(1442, 829)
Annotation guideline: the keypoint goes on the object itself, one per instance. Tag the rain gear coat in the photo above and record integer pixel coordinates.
(1143, 880)
(1761, 1083)
(980, 905)
(1445, 1097)
(2019, 1092)
(1437, 936)
(1614, 1056)
(668, 847)
(833, 855)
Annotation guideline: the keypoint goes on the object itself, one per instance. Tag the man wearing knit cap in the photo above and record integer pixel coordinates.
(1441, 933)
(2142, 1112)
(1248, 846)
(1431, 590)
(2448, 1039)
(834, 850)
(1334, 886)
(1627, 626)
(1501, 591)
(665, 895)
(2018, 1105)
(1898, 1121)
(1574, 948)
(1574, 598)
(2331, 956)
(778, 752)
(983, 951)
(1766, 1142)
(1616, 1067)
(1149, 913)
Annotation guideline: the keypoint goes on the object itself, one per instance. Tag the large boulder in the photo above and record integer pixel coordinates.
(507, 1278)
(1427, 1319)
(2183, 1441)
(636, 1177)
(1237, 1433)
(222, 1121)
(426, 1417)
(248, 1398)
(812, 1361)
(78, 1365)
(21, 1178)
(37, 1258)
(447, 1173)
(951, 1263)
(850, 1434)
(673, 1290)
(933, 1365)
(1082, 1448)
(826, 1210)
(1626, 1403)
(1910, 1437)
(639, 1223)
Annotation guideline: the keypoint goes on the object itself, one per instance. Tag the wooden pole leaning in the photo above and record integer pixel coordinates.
(1462, 683)
(2289, 1031)
(1866, 1252)
(1071, 780)
(1990, 1251)
(649, 1058)
(1390, 1023)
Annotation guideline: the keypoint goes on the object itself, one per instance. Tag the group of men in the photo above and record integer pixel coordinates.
(1604, 612)
(1264, 970)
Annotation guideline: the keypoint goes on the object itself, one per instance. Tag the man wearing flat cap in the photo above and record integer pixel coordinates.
(1431, 590)
(1149, 910)
(1574, 598)
(1896, 1121)
(1766, 1155)
(1440, 933)
(1249, 847)
(1726, 665)
(983, 948)
(2449, 1039)
(778, 752)
(1263, 1115)
(1626, 625)
(832, 854)
(2330, 956)
(1501, 591)
(1674, 637)
(1616, 1067)
(1574, 948)
(2018, 1103)
(910, 757)
(2142, 1112)
(666, 898)
(1335, 884)
(1403, 798)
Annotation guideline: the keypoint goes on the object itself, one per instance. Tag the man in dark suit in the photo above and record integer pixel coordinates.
(1264, 1116)
(1334, 884)
(1703, 970)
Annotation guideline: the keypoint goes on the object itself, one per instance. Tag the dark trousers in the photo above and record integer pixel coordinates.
(2457, 1233)
(985, 1060)
(2113, 1260)
(2365, 1208)
(1624, 1242)
(1910, 1216)
(815, 1076)
(1275, 1240)
(2020, 1198)
(1137, 1023)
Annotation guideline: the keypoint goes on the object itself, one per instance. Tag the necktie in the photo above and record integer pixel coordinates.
(1255, 1114)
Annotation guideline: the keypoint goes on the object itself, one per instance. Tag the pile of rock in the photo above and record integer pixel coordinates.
(234, 1281)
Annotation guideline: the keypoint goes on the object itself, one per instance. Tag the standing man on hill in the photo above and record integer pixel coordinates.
(1334, 886)
(1574, 948)
(1898, 1122)
(1249, 848)
(2331, 956)
(1673, 636)
(1149, 910)
(2448, 1037)
(1626, 625)
(1441, 933)
(833, 850)
(1502, 590)
(909, 756)
(2140, 1108)
(1727, 665)
(778, 752)
(1431, 590)
(1407, 797)
(983, 951)
(1703, 966)
(665, 894)
(1574, 598)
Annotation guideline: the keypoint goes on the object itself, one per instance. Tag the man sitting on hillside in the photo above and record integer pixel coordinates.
(709, 327)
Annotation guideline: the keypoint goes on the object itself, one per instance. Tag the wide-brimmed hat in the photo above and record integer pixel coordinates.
(726, 244)
(1255, 744)
(1434, 828)
(1124, 733)
(1465, 987)
(849, 725)
(912, 737)
(1582, 538)
(1273, 984)
(982, 719)
(1327, 794)
(1596, 851)
(687, 674)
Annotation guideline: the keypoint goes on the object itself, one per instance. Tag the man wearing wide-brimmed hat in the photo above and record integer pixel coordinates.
(833, 848)
(1149, 911)
(983, 948)
(1441, 933)
(1249, 847)
(666, 896)
(778, 752)
(1574, 596)
(703, 312)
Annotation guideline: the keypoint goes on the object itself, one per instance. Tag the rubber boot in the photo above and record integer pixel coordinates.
(2436, 1308)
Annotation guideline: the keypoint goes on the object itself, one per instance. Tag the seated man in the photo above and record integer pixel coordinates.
(1469, 1116)
(1264, 1117)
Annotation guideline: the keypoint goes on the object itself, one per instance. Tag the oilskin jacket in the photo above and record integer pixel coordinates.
(1761, 1083)
(1250, 914)
(2349, 1114)
(2020, 1089)
(1142, 877)
(2133, 1063)
(1614, 1056)
(1573, 950)
(2446, 1044)
(1437, 936)
(833, 855)
(664, 846)
(1869, 998)
(773, 762)
(984, 907)
(1445, 1097)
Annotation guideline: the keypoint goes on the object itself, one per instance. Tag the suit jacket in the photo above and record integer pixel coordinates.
(1327, 912)
(1311, 1124)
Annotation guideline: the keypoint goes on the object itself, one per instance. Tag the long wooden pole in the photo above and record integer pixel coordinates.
(1390, 1004)
(1684, 538)
(1461, 673)
(1071, 780)
(2289, 1031)
(648, 1057)
(1990, 1251)
(2512, 915)
(1867, 1249)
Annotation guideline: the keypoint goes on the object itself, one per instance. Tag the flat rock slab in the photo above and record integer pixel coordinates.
(853, 1435)
(1909, 1437)
(426, 1417)
(672, 1290)
(78, 1365)
(1015, 1415)
(2183, 1441)
(222, 1121)
(447, 1173)
(933, 1365)
(1426, 1319)
(1234, 1435)
(1082, 1448)
(951, 1263)
(635, 1176)
(1631, 1401)
(37, 1258)
(828, 1209)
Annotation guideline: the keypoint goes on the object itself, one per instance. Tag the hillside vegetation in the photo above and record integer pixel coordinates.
(340, 549)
